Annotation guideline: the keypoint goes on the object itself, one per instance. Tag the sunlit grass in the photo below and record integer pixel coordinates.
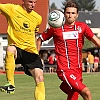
(25, 87)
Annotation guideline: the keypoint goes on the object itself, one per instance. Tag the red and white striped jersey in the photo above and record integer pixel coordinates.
(68, 41)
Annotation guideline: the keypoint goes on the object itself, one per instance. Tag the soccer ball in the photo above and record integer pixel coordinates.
(56, 19)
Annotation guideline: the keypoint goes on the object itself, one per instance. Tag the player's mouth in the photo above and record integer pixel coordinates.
(32, 7)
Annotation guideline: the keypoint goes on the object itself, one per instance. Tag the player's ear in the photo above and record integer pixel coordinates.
(77, 16)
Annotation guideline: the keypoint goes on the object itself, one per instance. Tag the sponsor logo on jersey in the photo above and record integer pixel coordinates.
(70, 35)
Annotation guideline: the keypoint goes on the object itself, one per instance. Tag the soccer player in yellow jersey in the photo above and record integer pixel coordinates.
(23, 25)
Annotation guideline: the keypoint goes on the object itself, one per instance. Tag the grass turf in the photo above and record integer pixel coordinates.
(25, 87)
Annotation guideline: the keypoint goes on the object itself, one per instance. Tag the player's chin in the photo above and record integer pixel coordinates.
(70, 21)
(30, 10)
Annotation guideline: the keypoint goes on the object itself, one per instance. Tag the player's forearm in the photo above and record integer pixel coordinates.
(96, 41)
(39, 42)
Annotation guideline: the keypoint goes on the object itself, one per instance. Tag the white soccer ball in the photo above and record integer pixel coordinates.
(56, 19)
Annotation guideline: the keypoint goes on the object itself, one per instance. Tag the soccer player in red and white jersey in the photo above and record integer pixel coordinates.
(68, 41)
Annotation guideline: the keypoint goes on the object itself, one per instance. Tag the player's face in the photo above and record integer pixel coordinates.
(71, 15)
(29, 5)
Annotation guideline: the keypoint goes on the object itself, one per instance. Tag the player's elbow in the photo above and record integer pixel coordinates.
(39, 41)
(96, 41)
(98, 44)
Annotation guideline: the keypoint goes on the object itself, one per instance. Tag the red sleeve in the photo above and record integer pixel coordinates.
(47, 34)
(88, 32)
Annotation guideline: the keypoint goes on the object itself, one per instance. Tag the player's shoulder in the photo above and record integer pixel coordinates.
(37, 15)
(12, 5)
(17, 6)
(80, 23)
(6, 4)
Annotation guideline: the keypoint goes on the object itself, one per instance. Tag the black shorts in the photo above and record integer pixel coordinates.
(28, 60)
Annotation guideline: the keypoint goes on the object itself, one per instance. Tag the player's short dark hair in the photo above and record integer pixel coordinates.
(71, 3)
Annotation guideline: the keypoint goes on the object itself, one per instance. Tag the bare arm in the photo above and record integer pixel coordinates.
(39, 42)
(96, 41)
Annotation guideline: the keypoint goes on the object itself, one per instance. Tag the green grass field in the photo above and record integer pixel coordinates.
(25, 87)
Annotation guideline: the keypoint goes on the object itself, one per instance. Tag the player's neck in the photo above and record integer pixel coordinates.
(23, 6)
(70, 24)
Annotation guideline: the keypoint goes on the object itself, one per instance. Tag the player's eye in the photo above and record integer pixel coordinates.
(73, 13)
(67, 12)
(70, 13)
